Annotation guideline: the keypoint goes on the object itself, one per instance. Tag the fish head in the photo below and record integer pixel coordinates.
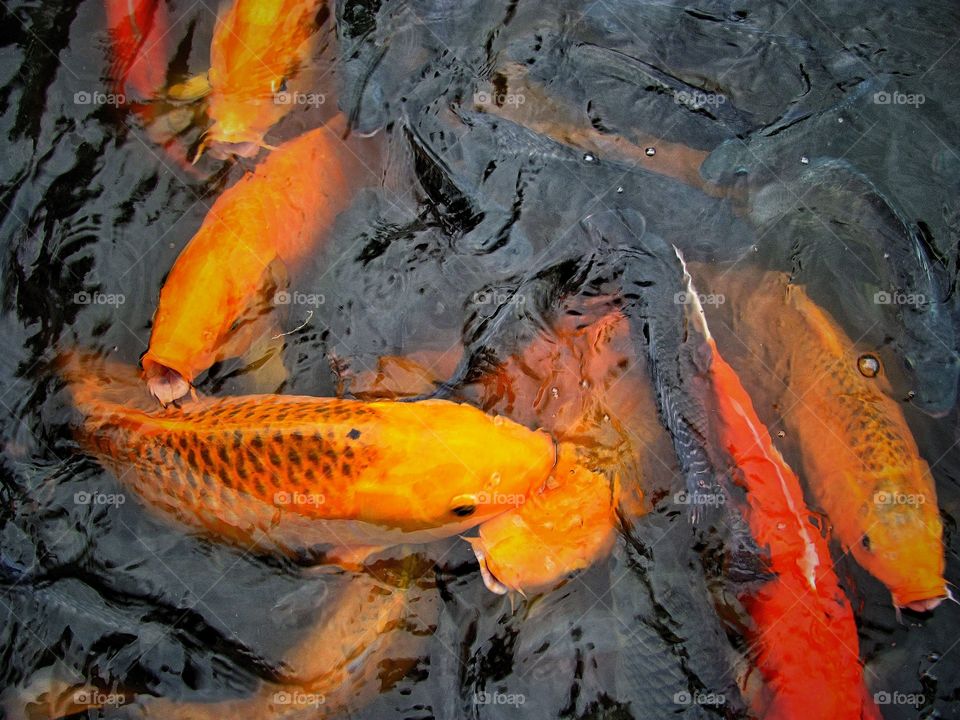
(564, 527)
(903, 545)
(936, 373)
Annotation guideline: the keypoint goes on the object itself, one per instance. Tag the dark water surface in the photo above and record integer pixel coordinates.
(830, 144)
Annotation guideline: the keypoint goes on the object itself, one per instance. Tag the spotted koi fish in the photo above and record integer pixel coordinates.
(297, 473)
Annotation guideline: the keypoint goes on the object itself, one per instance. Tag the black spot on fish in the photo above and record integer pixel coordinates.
(222, 453)
(237, 438)
(278, 437)
(294, 457)
(192, 458)
(310, 475)
(257, 441)
(354, 434)
(348, 453)
(327, 471)
(225, 478)
(205, 455)
(297, 436)
(274, 458)
(312, 456)
(259, 487)
(346, 469)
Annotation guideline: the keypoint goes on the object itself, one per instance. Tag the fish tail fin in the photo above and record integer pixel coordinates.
(95, 382)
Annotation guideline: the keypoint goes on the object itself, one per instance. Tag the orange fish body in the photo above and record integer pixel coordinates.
(138, 30)
(299, 472)
(879, 493)
(559, 529)
(269, 220)
(258, 47)
(805, 634)
(860, 460)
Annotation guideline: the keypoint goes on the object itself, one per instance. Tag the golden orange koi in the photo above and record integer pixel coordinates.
(270, 220)
(259, 48)
(296, 473)
(860, 460)
(559, 529)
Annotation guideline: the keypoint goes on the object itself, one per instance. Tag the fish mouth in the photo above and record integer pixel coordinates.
(489, 579)
(921, 601)
(165, 383)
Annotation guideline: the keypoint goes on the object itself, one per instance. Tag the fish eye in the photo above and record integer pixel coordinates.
(464, 505)
(865, 543)
(868, 365)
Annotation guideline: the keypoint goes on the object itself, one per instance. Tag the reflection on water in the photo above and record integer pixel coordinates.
(812, 139)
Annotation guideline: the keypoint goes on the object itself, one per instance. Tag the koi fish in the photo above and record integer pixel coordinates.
(221, 282)
(860, 460)
(563, 527)
(297, 473)
(258, 49)
(138, 30)
(805, 634)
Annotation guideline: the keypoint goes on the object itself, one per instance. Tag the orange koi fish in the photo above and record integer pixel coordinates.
(805, 634)
(294, 473)
(268, 221)
(860, 460)
(559, 529)
(138, 30)
(259, 49)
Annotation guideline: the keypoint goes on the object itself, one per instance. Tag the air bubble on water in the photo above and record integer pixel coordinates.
(781, 434)
(584, 384)
(549, 563)
(650, 151)
(498, 420)
(805, 160)
(606, 418)
(590, 158)
(517, 521)
(620, 189)
(552, 483)
(555, 392)
(495, 479)
(839, 120)
(781, 526)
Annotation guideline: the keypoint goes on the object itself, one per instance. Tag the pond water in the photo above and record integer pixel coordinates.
(813, 138)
